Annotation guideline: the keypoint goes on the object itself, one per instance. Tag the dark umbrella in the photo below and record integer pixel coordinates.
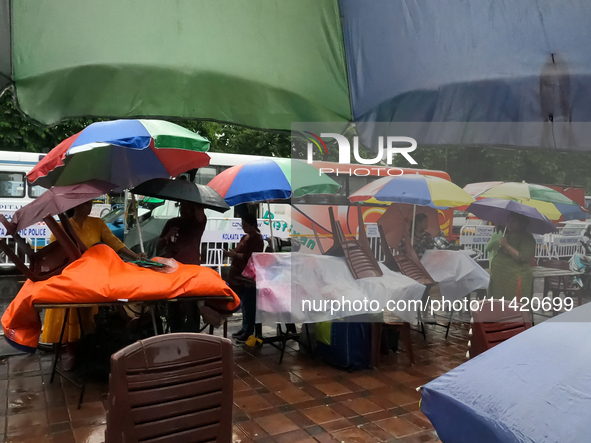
(182, 190)
(57, 200)
(497, 211)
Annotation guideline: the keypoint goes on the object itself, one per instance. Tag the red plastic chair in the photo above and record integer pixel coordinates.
(358, 254)
(171, 388)
(495, 322)
(360, 259)
(408, 264)
(336, 249)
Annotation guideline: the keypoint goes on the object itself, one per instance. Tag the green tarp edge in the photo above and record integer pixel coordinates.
(260, 63)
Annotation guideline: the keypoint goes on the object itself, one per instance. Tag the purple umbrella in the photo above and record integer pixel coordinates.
(497, 211)
(57, 200)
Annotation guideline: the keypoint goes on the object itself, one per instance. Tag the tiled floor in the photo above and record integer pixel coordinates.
(301, 400)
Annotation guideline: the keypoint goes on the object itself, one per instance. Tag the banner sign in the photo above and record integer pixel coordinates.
(229, 230)
(485, 230)
(38, 230)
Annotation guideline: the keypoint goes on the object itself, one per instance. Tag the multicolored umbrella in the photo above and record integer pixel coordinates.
(549, 202)
(271, 179)
(497, 211)
(268, 63)
(475, 189)
(415, 189)
(123, 152)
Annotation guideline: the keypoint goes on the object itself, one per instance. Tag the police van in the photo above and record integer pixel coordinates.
(16, 191)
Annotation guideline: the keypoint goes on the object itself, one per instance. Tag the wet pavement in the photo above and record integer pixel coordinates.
(9, 286)
(300, 400)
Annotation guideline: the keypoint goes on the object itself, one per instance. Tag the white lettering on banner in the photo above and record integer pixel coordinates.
(472, 240)
(372, 230)
(484, 230)
(229, 230)
(568, 240)
(38, 230)
(571, 231)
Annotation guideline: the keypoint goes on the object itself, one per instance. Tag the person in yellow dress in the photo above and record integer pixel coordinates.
(90, 230)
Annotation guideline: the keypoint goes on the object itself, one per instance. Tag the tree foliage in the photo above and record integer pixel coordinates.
(17, 133)
(234, 139)
(471, 165)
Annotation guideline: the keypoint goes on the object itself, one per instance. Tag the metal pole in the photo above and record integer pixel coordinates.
(412, 232)
(271, 227)
(137, 220)
(125, 208)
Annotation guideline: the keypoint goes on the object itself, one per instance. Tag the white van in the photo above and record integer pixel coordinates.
(15, 192)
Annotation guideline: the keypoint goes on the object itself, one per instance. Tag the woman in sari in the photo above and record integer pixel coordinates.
(251, 242)
(90, 230)
(511, 274)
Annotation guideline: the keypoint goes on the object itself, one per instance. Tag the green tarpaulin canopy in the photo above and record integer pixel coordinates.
(270, 63)
(259, 63)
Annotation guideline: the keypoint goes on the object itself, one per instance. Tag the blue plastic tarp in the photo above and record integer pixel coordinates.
(535, 388)
(485, 68)
(419, 60)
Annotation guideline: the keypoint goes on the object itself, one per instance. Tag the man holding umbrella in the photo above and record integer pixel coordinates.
(181, 240)
(181, 237)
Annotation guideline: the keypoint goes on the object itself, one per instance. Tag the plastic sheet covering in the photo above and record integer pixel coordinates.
(287, 282)
(100, 276)
(456, 273)
(534, 387)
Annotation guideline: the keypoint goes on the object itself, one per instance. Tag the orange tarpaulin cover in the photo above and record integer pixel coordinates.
(100, 276)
